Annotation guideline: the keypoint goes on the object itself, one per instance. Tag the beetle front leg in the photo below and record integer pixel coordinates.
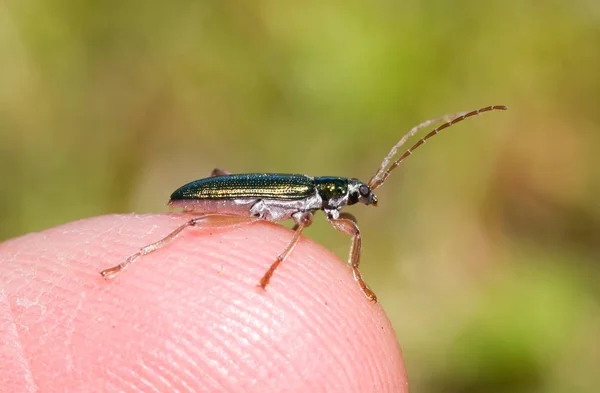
(346, 223)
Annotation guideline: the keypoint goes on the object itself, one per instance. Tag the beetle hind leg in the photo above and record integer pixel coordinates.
(210, 221)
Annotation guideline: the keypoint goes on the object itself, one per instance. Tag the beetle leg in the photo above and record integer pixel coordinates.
(219, 172)
(302, 220)
(211, 221)
(346, 223)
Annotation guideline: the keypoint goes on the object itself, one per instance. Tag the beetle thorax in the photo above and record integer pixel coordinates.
(333, 191)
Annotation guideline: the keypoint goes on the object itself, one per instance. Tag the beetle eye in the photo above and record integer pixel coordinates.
(364, 190)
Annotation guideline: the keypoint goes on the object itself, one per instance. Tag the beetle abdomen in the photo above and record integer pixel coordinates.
(249, 185)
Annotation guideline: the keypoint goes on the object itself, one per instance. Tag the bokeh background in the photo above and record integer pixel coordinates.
(485, 247)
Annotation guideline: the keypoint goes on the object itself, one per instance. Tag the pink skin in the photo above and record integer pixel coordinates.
(189, 317)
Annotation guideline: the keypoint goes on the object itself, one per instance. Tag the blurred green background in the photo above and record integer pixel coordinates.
(484, 249)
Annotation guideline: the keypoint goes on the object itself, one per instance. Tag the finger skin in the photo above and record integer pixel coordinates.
(189, 317)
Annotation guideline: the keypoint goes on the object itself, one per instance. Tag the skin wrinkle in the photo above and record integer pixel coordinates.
(247, 325)
(317, 272)
(119, 381)
(216, 361)
(233, 370)
(310, 321)
(314, 318)
(357, 342)
(17, 346)
(265, 338)
(258, 325)
(180, 351)
(70, 331)
(130, 374)
(218, 281)
(146, 381)
(178, 380)
(221, 345)
(249, 270)
(208, 371)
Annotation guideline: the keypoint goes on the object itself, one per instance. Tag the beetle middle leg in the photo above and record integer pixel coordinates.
(346, 223)
(302, 220)
(207, 220)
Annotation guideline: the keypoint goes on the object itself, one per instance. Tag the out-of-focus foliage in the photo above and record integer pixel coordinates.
(485, 247)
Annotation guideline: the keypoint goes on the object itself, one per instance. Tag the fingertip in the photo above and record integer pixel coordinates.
(194, 313)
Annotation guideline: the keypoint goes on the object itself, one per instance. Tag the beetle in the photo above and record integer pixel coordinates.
(225, 198)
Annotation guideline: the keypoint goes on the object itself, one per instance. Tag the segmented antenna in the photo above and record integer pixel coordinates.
(382, 174)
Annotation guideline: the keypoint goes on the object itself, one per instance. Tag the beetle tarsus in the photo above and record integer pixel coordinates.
(264, 281)
(111, 272)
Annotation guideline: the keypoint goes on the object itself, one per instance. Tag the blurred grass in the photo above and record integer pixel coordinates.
(485, 248)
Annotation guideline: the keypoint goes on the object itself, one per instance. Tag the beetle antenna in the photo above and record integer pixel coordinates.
(382, 174)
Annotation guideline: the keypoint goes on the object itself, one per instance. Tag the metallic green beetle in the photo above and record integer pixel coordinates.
(276, 197)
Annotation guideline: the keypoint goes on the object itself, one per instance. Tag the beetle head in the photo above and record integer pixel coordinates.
(359, 191)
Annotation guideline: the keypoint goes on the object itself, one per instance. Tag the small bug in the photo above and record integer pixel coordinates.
(226, 197)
